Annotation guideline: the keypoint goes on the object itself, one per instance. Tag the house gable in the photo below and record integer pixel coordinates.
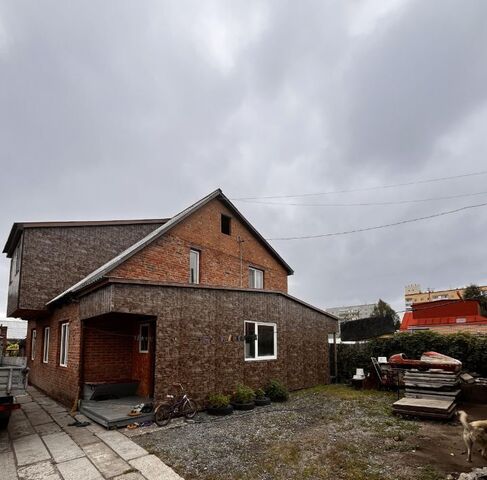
(107, 268)
(224, 259)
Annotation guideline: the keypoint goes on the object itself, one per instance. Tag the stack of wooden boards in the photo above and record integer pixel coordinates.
(431, 393)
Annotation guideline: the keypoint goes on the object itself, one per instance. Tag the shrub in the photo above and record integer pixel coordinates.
(243, 394)
(259, 393)
(276, 391)
(218, 400)
(470, 349)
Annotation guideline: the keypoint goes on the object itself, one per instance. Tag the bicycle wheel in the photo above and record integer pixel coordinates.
(163, 415)
(189, 409)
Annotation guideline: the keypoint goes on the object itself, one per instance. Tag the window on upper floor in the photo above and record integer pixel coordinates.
(194, 266)
(256, 278)
(226, 224)
(15, 262)
(260, 341)
(64, 345)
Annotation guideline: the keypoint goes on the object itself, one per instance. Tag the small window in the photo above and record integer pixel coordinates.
(226, 225)
(194, 266)
(45, 351)
(256, 278)
(63, 350)
(33, 344)
(15, 262)
(260, 341)
(144, 338)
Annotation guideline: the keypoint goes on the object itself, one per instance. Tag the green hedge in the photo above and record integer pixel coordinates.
(471, 350)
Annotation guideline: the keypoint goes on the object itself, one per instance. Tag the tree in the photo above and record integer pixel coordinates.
(473, 292)
(384, 310)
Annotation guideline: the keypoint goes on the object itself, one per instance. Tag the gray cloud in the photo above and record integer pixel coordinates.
(117, 110)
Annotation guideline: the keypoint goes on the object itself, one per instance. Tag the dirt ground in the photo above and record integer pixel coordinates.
(328, 432)
(440, 444)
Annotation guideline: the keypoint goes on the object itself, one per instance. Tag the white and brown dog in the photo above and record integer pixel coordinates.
(473, 432)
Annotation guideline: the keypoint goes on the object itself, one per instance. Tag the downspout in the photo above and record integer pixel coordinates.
(240, 241)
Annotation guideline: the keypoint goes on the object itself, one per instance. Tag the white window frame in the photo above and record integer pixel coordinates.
(197, 270)
(64, 345)
(140, 337)
(254, 269)
(33, 341)
(256, 346)
(45, 344)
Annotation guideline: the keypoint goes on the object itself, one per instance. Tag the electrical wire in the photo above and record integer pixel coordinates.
(377, 227)
(365, 204)
(365, 189)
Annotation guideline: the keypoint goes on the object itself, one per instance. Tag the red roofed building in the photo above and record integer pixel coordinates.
(445, 316)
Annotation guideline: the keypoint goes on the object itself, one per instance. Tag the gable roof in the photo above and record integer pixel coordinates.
(19, 227)
(99, 273)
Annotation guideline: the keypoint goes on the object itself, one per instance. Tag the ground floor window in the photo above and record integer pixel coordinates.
(33, 344)
(144, 338)
(260, 341)
(63, 348)
(45, 353)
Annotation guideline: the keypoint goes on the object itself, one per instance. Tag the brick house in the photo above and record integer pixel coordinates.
(200, 298)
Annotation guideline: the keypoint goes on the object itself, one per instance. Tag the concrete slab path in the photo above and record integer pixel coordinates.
(40, 445)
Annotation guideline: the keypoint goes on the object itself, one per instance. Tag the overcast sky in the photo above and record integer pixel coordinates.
(119, 109)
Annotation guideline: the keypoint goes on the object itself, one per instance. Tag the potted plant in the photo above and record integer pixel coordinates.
(276, 391)
(243, 398)
(219, 404)
(261, 399)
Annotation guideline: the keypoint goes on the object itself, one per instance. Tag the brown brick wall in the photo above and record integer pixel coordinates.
(197, 344)
(55, 258)
(197, 340)
(167, 259)
(59, 382)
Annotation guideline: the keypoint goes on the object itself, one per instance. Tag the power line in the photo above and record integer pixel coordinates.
(365, 204)
(366, 229)
(378, 187)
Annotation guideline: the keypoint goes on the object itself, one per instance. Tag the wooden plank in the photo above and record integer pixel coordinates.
(427, 404)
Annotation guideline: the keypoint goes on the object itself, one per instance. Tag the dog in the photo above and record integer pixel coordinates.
(473, 432)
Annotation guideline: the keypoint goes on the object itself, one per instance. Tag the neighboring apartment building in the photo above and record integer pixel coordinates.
(199, 299)
(413, 294)
(445, 316)
(353, 312)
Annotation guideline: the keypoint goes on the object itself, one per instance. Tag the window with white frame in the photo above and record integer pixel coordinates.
(64, 345)
(45, 345)
(15, 262)
(144, 338)
(33, 339)
(256, 278)
(194, 266)
(260, 341)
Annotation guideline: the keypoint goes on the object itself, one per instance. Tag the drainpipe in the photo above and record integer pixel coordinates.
(240, 241)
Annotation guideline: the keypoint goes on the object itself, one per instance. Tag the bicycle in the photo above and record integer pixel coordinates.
(178, 405)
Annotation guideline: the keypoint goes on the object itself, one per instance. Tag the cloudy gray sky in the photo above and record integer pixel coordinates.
(121, 109)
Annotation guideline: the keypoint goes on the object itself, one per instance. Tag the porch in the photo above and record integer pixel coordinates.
(118, 356)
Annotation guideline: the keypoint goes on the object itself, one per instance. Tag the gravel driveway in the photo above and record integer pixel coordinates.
(328, 432)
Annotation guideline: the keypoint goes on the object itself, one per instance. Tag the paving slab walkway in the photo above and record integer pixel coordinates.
(41, 445)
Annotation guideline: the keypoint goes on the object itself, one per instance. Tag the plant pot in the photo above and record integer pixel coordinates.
(262, 402)
(220, 411)
(243, 406)
(279, 400)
